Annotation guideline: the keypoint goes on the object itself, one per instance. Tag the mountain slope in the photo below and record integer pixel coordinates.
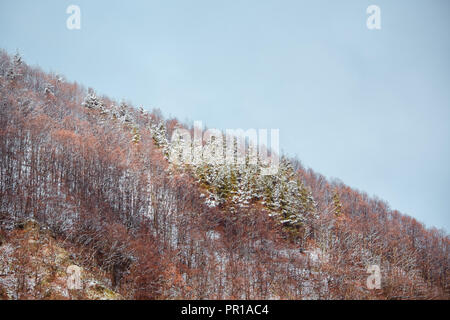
(100, 176)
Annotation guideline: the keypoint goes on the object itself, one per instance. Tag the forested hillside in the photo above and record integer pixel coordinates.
(100, 176)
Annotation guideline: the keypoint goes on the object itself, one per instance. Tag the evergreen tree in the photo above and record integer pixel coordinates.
(136, 135)
(337, 205)
(15, 71)
(91, 101)
(159, 135)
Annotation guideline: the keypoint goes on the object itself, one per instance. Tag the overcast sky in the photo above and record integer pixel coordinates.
(370, 107)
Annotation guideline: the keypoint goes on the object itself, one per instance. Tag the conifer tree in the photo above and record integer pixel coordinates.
(159, 135)
(136, 135)
(15, 71)
(337, 205)
(92, 101)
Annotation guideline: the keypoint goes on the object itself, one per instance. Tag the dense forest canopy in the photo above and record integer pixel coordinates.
(98, 174)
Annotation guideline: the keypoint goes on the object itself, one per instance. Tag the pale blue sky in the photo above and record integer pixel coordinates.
(369, 107)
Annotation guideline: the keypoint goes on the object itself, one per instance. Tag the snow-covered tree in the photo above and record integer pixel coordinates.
(91, 101)
(15, 71)
(159, 135)
(136, 135)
